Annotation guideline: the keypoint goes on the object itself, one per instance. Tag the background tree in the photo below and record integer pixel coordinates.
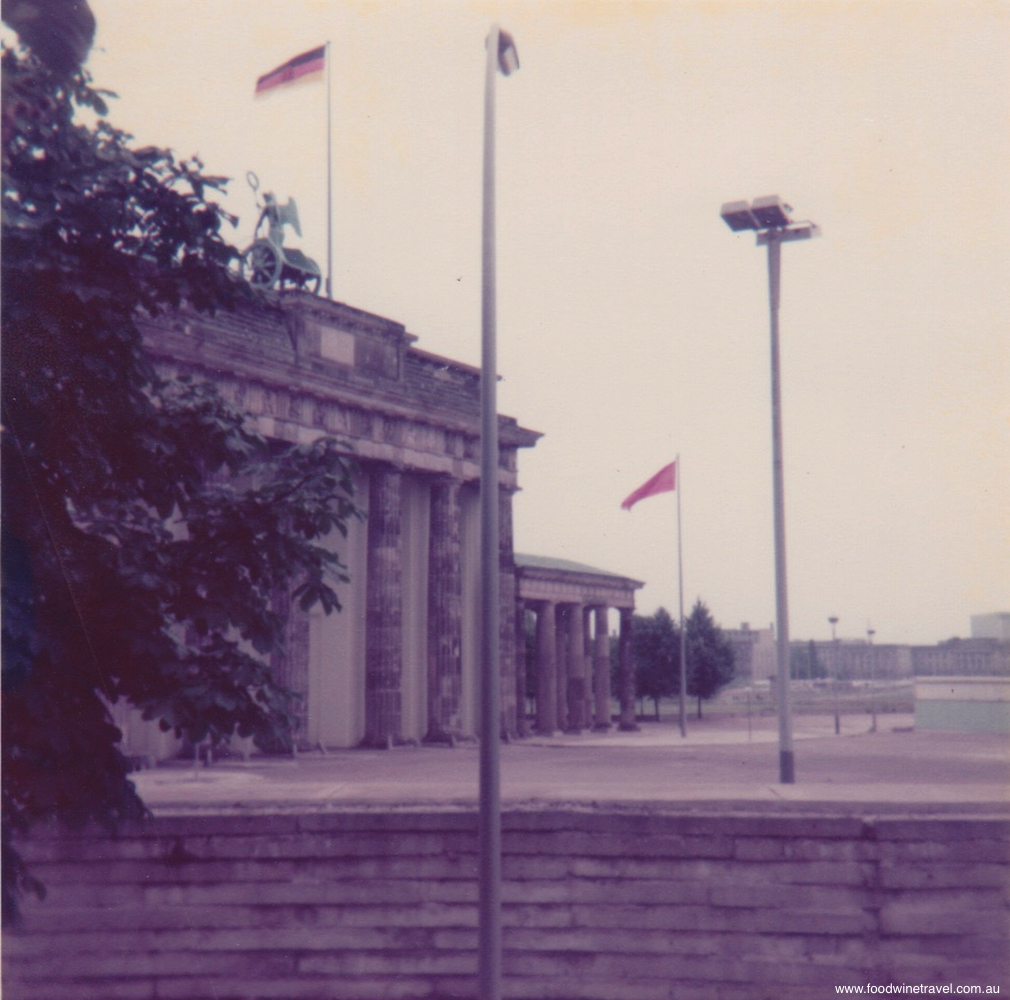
(146, 525)
(710, 658)
(655, 646)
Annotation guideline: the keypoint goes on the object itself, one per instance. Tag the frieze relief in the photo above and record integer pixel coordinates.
(290, 415)
(327, 368)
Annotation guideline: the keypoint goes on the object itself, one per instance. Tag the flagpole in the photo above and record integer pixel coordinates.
(329, 180)
(680, 589)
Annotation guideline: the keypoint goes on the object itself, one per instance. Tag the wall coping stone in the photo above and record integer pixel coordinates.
(844, 821)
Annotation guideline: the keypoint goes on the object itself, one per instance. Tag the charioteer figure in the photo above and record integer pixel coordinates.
(266, 262)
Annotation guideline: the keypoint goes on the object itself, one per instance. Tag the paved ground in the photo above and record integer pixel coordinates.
(719, 762)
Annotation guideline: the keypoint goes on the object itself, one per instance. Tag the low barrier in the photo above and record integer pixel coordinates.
(605, 903)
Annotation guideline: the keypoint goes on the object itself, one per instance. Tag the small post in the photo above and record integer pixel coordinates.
(834, 675)
(873, 681)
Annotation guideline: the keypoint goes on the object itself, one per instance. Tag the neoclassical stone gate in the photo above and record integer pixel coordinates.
(399, 663)
(572, 662)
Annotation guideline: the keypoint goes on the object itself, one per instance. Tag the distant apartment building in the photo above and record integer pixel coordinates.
(756, 657)
(994, 626)
(754, 651)
(857, 659)
(860, 660)
(962, 658)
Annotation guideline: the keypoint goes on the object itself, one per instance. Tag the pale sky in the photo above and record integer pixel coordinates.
(632, 324)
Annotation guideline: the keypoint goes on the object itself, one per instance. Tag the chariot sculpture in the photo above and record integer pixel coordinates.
(266, 262)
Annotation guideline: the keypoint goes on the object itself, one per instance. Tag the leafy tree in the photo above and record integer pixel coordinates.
(655, 646)
(147, 527)
(710, 658)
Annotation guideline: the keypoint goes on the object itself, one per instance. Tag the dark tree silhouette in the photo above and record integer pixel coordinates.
(146, 525)
(710, 659)
(655, 646)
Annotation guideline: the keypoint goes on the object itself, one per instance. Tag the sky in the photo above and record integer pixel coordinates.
(632, 324)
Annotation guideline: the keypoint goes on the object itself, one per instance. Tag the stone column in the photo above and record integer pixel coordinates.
(576, 670)
(445, 615)
(601, 669)
(522, 668)
(384, 614)
(562, 613)
(627, 667)
(587, 664)
(507, 614)
(290, 663)
(547, 647)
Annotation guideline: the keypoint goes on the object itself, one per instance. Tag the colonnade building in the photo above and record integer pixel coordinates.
(571, 659)
(399, 662)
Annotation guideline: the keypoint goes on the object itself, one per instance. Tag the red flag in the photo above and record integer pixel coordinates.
(312, 61)
(662, 482)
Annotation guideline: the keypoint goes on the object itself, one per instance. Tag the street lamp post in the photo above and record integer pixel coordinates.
(501, 56)
(833, 620)
(770, 218)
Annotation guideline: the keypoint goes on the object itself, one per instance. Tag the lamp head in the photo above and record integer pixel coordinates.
(738, 216)
(508, 56)
(771, 212)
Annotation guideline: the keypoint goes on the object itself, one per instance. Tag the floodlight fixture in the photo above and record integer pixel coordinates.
(738, 216)
(771, 219)
(771, 212)
(508, 55)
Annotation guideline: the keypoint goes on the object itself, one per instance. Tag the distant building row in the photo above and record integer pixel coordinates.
(980, 656)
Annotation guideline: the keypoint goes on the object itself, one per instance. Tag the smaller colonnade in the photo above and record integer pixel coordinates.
(571, 662)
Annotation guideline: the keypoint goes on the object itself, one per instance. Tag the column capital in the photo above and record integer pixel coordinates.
(443, 478)
(381, 465)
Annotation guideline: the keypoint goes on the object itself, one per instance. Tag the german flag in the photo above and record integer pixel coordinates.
(313, 61)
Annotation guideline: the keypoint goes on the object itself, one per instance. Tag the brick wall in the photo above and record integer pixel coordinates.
(612, 905)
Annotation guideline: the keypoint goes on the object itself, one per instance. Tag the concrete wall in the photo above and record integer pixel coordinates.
(965, 704)
(597, 904)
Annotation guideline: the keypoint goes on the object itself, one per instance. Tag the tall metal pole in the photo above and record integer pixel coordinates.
(873, 680)
(683, 626)
(770, 217)
(833, 620)
(787, 773)
(329, 180)
(489, 829)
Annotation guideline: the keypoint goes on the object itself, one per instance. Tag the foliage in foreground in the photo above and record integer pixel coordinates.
(147, 527)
